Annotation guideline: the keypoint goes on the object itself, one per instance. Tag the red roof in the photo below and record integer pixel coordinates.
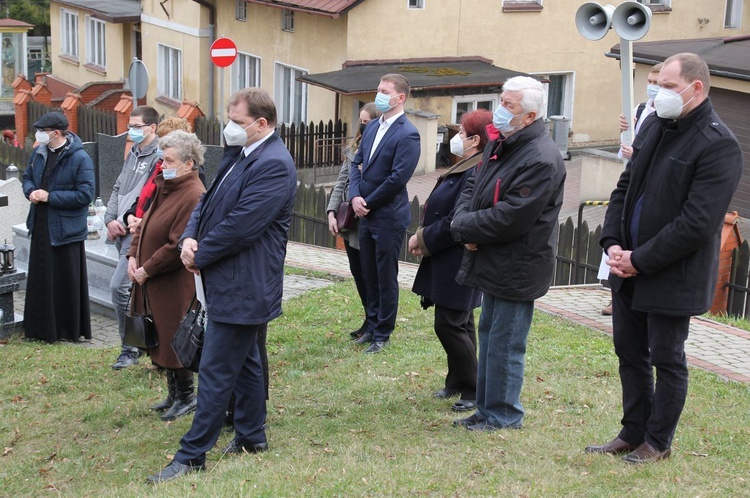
(330, 8)
(12, 23)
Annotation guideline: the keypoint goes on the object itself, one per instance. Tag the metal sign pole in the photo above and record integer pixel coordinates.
(626, 65)
(221, 104)
(134, 89)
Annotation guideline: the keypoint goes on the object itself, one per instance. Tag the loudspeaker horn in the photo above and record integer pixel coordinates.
(593, 20)
(631, 20)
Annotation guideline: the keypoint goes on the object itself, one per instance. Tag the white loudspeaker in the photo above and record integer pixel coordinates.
(593, 20)
(631, 20)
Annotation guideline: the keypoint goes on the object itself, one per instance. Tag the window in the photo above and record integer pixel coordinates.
(416, 4)
(290, 95)
(287, 20)
(559, 94)
(733, 14)
(522, 5)
(656, 3)
(245, 72)
(169, 73)
(240, 10)
(96, 46)
(69, 33)
(468, 103)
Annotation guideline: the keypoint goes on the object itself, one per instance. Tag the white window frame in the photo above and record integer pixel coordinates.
(473, 99)
(511, 2)
(568, 91)
(415, 4)
(287, 20)
(733, 14)
(250, 75)
(240, 10)
(96, 42)
(286, 98)
(69, 33)
(168, 84)
(656, 3)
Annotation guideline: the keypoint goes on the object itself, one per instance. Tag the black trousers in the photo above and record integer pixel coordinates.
(456, 332)
(355, 266)
(644, 341)
(230, 363)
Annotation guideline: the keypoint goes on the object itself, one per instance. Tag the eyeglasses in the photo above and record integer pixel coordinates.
(137, 126)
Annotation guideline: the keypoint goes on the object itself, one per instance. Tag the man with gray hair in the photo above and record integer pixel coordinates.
(506, 217)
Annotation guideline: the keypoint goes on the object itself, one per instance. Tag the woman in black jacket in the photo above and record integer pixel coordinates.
(441, 257)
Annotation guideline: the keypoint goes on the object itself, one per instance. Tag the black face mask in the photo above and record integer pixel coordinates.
(362, 128)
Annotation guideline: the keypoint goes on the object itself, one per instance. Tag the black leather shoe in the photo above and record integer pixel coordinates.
(376, 347)
(236, 448)
(365, 339)
(464, 405)
(173, 471)
(446, 393)
(614, 447)
(356, 334)
(466, 422)
(645, 453)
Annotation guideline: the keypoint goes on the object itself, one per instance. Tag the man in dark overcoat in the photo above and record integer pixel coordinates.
(236, 239)
(662, 236)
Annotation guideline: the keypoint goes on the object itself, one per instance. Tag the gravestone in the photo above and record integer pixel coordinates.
(212, 161)
(110, 155)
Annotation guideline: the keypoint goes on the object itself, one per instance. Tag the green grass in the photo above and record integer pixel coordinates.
(734, 321)
(342, 423)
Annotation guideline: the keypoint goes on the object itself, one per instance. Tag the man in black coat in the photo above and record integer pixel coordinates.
(662, 236)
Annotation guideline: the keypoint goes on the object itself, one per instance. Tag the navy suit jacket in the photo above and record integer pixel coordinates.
(383, 178)
(242, 231)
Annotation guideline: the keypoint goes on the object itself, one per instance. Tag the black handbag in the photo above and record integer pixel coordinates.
(140, 329)
(188, 340)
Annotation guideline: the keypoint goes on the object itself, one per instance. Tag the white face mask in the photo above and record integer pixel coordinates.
(42, 137)
(668, 103)
(457, 145)
(234, 134)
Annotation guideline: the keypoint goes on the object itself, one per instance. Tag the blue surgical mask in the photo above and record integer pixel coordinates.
(383, 102)
(501, 118)
(169, 173)
(652, 90)
(136, 135)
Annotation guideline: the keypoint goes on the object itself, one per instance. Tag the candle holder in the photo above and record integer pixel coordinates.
(7, 258)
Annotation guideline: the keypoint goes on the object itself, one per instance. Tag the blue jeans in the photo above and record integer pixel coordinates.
(119, 288)
(503, 330)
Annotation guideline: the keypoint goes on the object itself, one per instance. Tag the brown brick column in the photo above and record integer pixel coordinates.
(20, 102)
(123, 109)
(190, 111)
(730, 240)
(41, 94)
(70, 108)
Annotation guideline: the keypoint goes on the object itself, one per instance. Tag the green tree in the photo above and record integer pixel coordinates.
(34, 12)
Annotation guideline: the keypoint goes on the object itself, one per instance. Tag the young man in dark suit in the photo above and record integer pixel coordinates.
(662, 235)
(386, 159)
(236, 240)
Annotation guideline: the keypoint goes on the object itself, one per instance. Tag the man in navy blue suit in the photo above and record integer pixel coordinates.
(386, 159)
(236, 240)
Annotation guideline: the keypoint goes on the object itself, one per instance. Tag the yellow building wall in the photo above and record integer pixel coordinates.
(534, 42)
(183, 27)
(118, 41)
(317, 45)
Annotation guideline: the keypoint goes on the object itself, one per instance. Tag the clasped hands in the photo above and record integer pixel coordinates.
(137, 274)
(619, 262)
(38, 196)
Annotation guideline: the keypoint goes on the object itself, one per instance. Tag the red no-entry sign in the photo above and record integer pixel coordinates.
(223, 52)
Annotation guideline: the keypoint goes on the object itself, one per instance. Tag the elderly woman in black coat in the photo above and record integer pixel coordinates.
(441, 257)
